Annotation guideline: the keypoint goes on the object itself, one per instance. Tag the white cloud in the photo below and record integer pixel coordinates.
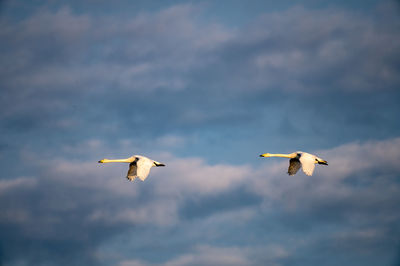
(359, 181)
(133, 263)
(97, 197)
(184, 178)
(193, 176)
(353, 158)
(211, 255)
(94, 182)
(156, 212)
(10, 184)
(217, 255)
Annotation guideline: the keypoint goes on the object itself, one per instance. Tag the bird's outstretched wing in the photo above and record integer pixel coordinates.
(307, 163)
(132, 172)
(294, 166)
(143, 166)
(139, 168)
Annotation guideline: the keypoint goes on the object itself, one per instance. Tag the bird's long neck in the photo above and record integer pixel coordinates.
(116, 161)
(291, 155)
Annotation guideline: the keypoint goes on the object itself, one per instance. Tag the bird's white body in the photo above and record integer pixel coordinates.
(139, 166)
(299, 159)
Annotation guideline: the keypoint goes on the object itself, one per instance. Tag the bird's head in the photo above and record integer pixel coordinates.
(101, 161)
(265, 155)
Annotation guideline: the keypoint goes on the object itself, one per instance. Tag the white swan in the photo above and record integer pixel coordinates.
(299, 159)
(139, 166)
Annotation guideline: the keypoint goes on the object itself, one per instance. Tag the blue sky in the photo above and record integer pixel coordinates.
(204, 87)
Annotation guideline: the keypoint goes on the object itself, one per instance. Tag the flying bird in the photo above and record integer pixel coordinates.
(139, 166)
(299, 159)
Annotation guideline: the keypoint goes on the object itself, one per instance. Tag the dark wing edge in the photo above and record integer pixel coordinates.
(132, 172)
(294, 166)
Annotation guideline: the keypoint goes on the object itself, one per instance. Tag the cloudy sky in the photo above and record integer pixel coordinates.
(204, 87)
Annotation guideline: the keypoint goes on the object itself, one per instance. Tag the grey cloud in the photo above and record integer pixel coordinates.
(352, 164)
(47, 225)
(77, 87)
(80, 208)
(231, 200)
(211, 256)
(206, 75)
(71, 208)
(357, 192)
